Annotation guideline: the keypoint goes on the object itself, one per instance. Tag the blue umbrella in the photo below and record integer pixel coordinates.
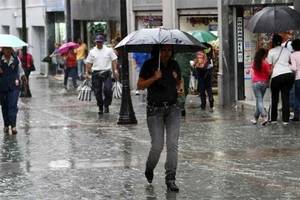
(11, 41)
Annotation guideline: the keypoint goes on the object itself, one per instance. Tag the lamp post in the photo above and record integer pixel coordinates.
(126, 115)
(24, 30)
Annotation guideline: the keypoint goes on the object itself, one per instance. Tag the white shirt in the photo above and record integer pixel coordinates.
(101, 59)
(282, 65)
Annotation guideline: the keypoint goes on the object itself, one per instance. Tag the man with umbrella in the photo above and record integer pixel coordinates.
(102, 62)
(163, 83)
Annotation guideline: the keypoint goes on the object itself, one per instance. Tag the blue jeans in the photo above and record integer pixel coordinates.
(160, 119)
(9, 105)
(259, 89)
(80, 68)
(71, 72)
(297, 99)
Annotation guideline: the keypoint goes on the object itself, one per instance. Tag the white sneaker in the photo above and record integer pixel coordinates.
(137, 92)
(285, 123)
(253, 121)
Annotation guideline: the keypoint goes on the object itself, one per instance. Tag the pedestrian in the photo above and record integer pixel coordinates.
(70, 68)
(10, 73)
(183, 60)
(102, 63)
(81, 52)
(282, 79)
(204, 76)
(163, 112)
(139, 58)
(295, 66)
(28, 66)
(261, 71)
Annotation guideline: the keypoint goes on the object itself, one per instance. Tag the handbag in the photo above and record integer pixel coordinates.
(32, 68)
(85, 91)
(117, 90)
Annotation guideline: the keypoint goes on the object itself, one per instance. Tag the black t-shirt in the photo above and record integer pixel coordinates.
(164, 89)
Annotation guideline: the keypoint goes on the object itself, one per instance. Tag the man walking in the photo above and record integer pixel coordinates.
(101, 63)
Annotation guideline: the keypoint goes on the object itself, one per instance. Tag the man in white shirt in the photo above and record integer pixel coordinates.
(101, 63)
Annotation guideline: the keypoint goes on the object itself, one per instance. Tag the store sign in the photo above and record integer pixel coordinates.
(240, 39)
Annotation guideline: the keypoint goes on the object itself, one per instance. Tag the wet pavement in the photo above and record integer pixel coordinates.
(63, 150)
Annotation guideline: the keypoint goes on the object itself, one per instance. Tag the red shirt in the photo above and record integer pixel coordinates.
(263, 74)
(71, 61)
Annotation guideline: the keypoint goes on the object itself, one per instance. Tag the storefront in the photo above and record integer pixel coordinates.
(238, 48)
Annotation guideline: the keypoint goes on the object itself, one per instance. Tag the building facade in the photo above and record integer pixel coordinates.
(38, 25)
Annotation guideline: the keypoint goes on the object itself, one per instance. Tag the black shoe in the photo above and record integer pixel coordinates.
(14, 130)
(149, 175)
(172, 187)
(183, 113)
(100, 111)
(295, 119)
(203, 106)
(106, 109)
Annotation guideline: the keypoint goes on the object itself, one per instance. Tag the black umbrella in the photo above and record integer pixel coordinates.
(274, 19)
(144, 40)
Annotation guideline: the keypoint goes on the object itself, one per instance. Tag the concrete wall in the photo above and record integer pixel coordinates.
(95, 10)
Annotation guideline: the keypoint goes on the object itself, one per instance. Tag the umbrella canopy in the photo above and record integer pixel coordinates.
(7, 40)
(204, 36)
(144, 40)
(66, 47)
(274, 20)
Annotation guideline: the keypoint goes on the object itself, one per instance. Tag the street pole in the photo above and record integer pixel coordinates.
(24, 30)
(68, 20)
(127, 115)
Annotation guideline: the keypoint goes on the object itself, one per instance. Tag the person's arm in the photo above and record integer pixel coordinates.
(114, 64)
(293, 65)
(145, 83)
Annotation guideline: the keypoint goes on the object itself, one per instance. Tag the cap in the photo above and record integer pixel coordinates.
(99, 38)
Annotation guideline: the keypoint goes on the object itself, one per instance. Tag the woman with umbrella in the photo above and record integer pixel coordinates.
(10, 72)
(282, 79)
(163, 83)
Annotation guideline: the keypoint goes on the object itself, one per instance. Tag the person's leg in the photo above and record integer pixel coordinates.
(73, 74)
(201, 87)
(172, 134)
(4, 106)
(155, 122)
(288, 80)
(107, 92)
(275, 85)
(257, 94)
(13, 97)
(97, 88)
(66, 76)
(297, 100)
(79, 69)
(208, 86)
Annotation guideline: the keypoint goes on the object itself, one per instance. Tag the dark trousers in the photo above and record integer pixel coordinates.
(102, 85)
(281, 84)
(205, 86)
(297, 100)
(9, 105)
(71, 72)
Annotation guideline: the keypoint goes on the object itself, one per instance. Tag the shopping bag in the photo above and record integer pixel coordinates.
(117, 90)
(85, 91)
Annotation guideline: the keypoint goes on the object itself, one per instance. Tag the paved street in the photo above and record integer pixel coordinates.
(63, 150)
